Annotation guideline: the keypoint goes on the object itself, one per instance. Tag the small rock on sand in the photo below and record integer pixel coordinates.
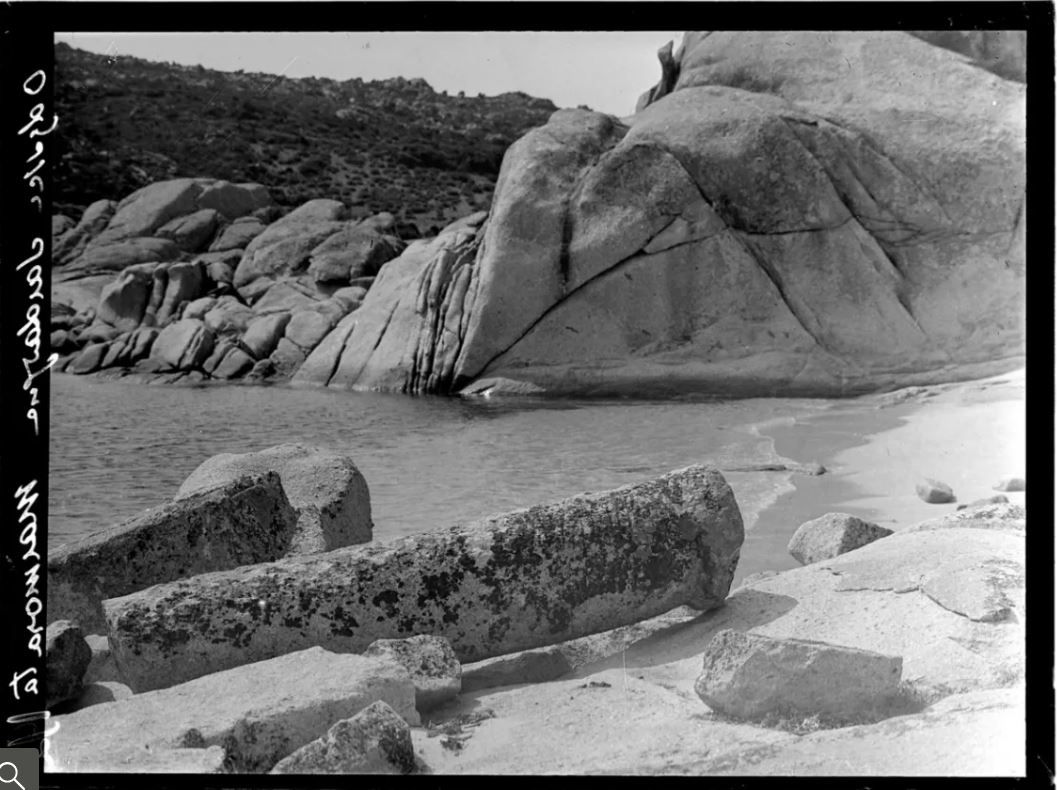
(749, 675)
(934, 492)
(1010, 484)
(831, 535)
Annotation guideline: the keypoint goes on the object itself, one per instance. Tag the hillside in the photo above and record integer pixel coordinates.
(393, 145)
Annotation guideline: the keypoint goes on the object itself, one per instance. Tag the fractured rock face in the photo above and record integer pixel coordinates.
(430, 661)
(248, 520)
(244, 720)
(831, 535)
(773, 223)
(749, 676)
(327, 490)
(525, 579)
(374, 741)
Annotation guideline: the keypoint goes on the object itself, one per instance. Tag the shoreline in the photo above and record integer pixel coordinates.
(868, 446)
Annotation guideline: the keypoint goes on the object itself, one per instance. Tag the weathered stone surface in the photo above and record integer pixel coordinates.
(199, 307)
(237, 235)
(355, 252)
(749, 676)
(101, 256)
(976, 589)
(192, 231)
(89, 360)
(308, 327)
(774, 224)
(934, 492)
(149, 208)
(66, 656)
(431, 663)
(286, 358)
(96, 694)
(248, 520)
(998, 516)
(183, 345)
(123, 302)
(831, 535)
(326, 489)
(530, 666)
(229, 316)
(92, 222)
(997, 499)
(247, 718)
(263, 334)
(233, 200)
(236, 363)
(521, 580)
(102, 668)
(285, 297)
(184, 282)
(374, 741)
(1011, 484)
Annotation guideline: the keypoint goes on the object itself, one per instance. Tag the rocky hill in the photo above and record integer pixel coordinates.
(392, 145)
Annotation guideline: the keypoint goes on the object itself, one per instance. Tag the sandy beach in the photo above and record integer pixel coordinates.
(630, 707)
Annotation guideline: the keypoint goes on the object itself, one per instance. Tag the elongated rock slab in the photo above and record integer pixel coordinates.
(245, 719)
(521, 580)
(247, 521)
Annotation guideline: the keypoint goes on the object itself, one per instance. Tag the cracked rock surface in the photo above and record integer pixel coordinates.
(787, 211)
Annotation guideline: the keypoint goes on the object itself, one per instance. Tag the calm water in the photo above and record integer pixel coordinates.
(117, 448)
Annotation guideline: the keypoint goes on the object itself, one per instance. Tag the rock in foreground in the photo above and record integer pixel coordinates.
(247, 521)
(750, 676)
(245, 719)
(832, 535)
(430, 661)
(521, 580)
(374, 741)
(67, 655)
(327, 490)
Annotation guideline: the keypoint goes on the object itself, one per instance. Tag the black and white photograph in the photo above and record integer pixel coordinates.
(519, 402)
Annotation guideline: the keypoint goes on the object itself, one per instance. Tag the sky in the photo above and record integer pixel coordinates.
(604, 70)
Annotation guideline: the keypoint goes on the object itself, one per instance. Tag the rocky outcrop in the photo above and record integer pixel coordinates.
(749, 676)
(521, 580)
(831, 535)
(328, 492)
(243, 720)
(431, 663)
(374, 741)
(247, 521)
(67, 656)
(791, 218)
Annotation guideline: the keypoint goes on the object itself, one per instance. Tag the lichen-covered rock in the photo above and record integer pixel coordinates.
(934, 492)
(831, 535)
(243, 720)
(326, 489)
(374, 741)
(430, 661)
(521, 580)
(183, 345)
(749, 675)
(66, 657)
(248, 520)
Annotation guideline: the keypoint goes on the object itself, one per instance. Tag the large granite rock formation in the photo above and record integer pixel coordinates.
(529, 578)
(799, 213)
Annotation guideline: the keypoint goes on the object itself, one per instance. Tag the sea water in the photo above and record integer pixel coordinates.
(120, 447)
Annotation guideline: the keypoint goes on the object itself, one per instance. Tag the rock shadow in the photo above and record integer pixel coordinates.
(747, 608)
